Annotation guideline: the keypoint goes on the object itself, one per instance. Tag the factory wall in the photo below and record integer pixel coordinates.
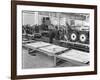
(57, 19)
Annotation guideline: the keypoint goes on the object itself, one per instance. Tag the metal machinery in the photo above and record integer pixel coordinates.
(78, 37)
(79, 34)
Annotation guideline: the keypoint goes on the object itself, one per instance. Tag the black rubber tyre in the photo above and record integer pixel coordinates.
(73, 36)
(84, 37)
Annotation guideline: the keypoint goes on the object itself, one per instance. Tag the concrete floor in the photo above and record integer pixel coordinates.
(40, 61)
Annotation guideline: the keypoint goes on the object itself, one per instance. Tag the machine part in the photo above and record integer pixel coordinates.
(84, 37)
(32, 52)
(37, 35)
(73, 36)
(45, 33)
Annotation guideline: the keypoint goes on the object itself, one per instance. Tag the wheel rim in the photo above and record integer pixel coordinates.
(73, 36)
(82, 37)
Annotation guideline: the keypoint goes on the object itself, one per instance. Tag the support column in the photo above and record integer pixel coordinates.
(36, 18)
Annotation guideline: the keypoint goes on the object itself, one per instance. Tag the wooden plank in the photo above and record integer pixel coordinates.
(52, 49)
(75, 55)
(37, 44)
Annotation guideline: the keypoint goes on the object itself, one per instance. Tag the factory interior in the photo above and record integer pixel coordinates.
(55, 39)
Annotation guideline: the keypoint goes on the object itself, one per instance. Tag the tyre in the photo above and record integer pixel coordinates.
(73, 36)
(84, 37)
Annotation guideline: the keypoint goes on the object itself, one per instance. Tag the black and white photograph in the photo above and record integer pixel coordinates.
(52, 39)
(55, 39)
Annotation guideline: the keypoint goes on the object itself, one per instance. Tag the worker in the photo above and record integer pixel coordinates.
(56, 33)
(51, 33)
(36, 28)
(68, 29)
(61, 34)
(65, 35)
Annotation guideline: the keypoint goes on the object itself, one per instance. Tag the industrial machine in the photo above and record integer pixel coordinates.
(78, 36)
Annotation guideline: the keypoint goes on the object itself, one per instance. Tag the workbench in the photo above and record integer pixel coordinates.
(73, 56)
